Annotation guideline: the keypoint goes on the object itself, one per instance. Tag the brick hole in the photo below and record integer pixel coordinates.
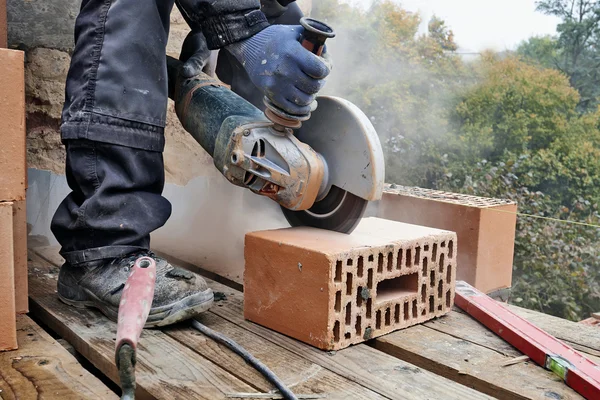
(380, 263)
(434, 252)
(349, 262)
(348, 313)
(450, 248)
(397, 288)
(338, 301)
(443, 244)
(378, 319)
(336, 331)
(371, 258)
(448, 299)
(440, 288)
(418, 255)
(369, 307)
(408, 258)
(349, 283)
(361, 266)
(388, 317)
(406, 314)
(414, 309)
(423, 293)
(426, 248)
(359, 298)
(424, 311)
(399, 260)
(397, 313)
(390, 261)
(348, 335)
(357, 326)
(432, 278)
(440, 307)
(338, 271)
(431, 303)
(425, 265)
(370, 278)
(442, 260)
(449, 274)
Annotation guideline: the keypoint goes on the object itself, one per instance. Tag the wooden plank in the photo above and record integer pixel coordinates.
(42, 369)
(570, 332)
(165, 368)
(356, 372)
(302, 376)
(372, 369)
(459, 348)
(583, 338)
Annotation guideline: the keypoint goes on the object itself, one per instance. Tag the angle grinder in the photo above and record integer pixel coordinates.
(322, 168)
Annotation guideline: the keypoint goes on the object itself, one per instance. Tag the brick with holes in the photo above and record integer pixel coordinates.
(333, 290)
(485, 227)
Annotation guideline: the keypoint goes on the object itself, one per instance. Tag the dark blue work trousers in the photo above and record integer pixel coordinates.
(113, 127)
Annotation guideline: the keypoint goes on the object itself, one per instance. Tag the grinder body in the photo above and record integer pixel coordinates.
(243, 143)
(322, 168)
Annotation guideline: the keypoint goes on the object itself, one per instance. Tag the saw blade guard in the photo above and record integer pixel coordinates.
(343, 135)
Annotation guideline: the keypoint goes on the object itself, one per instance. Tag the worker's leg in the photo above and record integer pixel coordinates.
(113, 123)
(229, 70)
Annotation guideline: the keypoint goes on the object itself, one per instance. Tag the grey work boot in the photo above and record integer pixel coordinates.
(178, 295)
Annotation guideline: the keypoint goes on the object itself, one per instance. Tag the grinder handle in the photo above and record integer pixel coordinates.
(315, 34)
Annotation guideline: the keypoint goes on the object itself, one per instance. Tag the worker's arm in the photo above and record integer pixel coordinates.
(274, 8)
(223, 21)
(289, 75)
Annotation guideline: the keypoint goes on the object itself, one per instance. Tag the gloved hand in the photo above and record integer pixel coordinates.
(194, 54)
(288, 74)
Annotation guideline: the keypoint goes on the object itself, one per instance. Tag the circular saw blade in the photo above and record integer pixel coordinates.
(339, 211)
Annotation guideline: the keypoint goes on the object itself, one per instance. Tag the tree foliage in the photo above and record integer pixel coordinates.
(578, 44)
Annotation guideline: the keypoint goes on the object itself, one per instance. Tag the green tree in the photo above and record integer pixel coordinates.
(515, 107)
(439, 32)
(542, 51)
(578, 41)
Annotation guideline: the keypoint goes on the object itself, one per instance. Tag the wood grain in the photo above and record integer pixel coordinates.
(471, 357)
(165, 368)
(583, 338)
(372, 369)
(359, 372)
(42, 369)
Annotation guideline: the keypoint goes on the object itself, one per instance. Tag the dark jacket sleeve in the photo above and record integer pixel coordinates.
(223, 21)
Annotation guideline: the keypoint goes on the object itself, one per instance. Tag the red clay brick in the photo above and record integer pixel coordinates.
(485, 228)
(332, 290)
(13, 173)
(20, 256)
(8, 328)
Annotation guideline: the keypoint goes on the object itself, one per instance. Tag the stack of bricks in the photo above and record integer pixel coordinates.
(13, 182)
(333, 290)
(485, 228)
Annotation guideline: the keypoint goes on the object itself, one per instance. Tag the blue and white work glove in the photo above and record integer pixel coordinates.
(288, 74)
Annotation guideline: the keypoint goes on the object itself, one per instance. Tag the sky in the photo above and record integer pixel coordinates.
(483, 24)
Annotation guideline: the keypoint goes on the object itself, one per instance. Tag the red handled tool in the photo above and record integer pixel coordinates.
(134, 308)
(579, 372)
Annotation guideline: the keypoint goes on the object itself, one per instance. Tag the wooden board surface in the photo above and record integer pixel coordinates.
(443, 358)
(165, 368)
(583, 338)
(42, 369)
(359, 372)
(461, 349)
(372, 369)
